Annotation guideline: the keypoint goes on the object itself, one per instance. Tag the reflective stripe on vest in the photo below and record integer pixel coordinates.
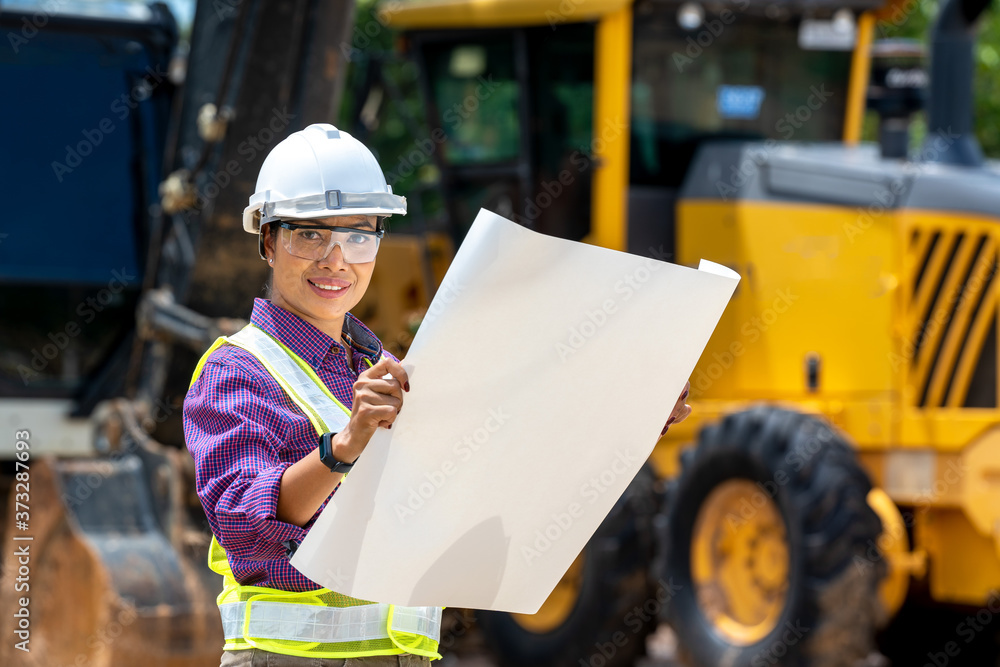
(328, 625)
(296, 378)
(317, 623)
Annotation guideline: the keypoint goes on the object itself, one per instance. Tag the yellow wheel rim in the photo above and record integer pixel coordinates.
(739, 561)
(558, 606)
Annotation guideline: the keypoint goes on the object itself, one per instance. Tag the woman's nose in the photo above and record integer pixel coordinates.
(336, 255)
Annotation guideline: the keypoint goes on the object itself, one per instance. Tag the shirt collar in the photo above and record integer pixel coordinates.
(310, 343)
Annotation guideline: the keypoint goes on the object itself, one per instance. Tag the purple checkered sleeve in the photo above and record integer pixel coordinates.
(243, 432)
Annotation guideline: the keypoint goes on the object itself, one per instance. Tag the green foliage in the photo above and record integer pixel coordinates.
(389, 116)
(914, 20)
(383, 107)
(988, 82)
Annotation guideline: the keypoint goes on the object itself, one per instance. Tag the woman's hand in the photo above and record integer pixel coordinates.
(681, 410)
(308, 482)
(377, 401)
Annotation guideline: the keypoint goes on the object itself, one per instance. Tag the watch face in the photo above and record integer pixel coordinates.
(326, 451)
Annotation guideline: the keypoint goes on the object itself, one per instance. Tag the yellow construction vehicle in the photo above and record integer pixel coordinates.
(843, 458)
(844, 410)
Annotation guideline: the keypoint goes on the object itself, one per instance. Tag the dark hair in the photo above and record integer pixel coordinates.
(272, 231)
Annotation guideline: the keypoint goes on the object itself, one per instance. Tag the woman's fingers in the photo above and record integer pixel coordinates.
(379, 404)
(681, 410)
(682, 414)
(372, 416)
(385, 388)
(392, 367)
(680, 406)
(378, 394)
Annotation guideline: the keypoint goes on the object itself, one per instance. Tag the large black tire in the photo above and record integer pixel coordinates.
(829, 609)
(618, 602)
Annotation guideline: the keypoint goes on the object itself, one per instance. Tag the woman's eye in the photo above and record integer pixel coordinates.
(307, 235)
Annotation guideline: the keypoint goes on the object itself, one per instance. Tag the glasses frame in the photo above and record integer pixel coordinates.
(378, 233)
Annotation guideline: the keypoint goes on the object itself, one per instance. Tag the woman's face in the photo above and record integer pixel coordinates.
(303, 286)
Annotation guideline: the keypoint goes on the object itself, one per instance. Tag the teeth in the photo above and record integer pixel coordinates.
(327, 287)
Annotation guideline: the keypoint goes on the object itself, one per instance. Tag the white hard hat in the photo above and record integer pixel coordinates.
(319, 172)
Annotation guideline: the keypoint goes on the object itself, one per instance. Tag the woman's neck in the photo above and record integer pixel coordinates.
(334, 328)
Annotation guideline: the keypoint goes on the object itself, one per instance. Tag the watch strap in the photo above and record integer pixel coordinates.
(326, 455)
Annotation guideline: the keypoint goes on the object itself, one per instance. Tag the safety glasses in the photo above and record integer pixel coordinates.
(314, 242)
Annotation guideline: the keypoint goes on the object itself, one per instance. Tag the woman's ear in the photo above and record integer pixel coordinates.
(267, 242)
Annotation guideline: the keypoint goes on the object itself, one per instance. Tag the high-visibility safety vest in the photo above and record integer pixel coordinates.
(319, 623)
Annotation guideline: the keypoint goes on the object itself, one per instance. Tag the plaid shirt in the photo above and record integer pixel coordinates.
(243, 432)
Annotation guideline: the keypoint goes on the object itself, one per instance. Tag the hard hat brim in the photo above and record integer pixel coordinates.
(253, 214)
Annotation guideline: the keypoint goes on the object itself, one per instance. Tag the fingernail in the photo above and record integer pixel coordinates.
(685, 394)
(389, 426)
(406, 385)
(664, 431)
(671, 420)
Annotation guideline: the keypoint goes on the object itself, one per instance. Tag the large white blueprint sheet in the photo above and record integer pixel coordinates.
(540, 380)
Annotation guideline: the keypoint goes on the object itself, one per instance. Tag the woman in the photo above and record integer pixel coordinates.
(279, 412)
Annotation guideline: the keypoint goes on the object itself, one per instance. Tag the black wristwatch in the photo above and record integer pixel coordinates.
(326, 455)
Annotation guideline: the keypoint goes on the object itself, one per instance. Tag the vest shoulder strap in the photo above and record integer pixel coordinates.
(296, 378)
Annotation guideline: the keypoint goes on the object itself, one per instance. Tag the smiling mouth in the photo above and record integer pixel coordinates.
(329, 288)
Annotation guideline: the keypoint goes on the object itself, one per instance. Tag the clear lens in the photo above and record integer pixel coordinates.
(316, 244)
